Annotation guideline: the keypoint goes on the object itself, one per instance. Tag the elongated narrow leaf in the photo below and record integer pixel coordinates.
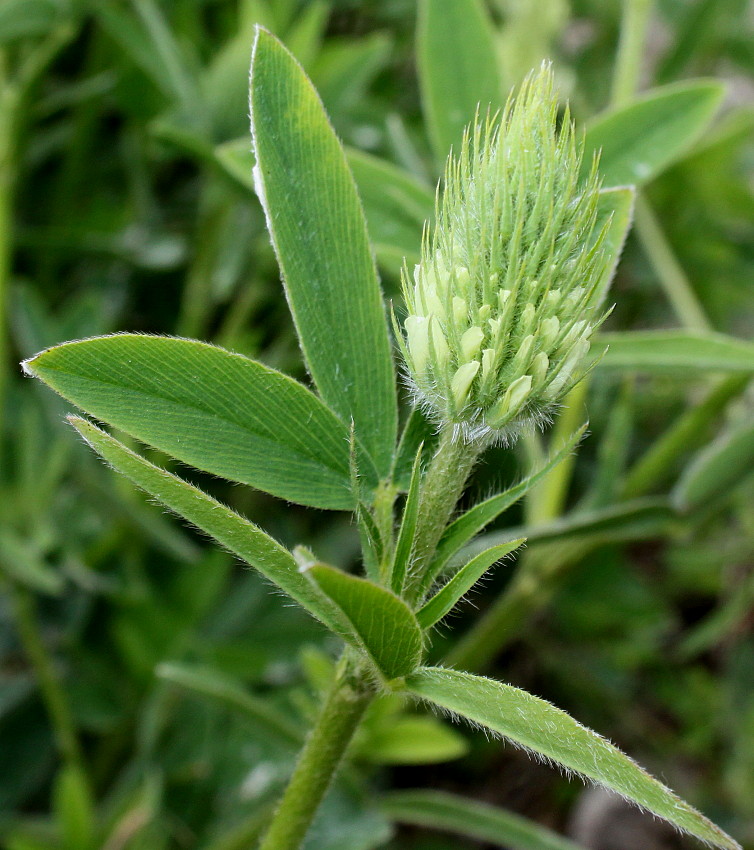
(209, 683)
(439, 810)
(462, 582)
(407, 531)
(617, 205)
(716, 469)
(462, 530)
(641, 140)
(231, 530)
(547, 731)
(458, 69)
(217, 411)
(633, 520)
(683, 351)
(396, 205)
(319, 233)
(382, 624)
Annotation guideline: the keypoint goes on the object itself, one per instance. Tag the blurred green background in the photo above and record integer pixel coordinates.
(152, 692)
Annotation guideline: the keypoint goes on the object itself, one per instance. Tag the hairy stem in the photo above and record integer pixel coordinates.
(442, 488)
(319, 759)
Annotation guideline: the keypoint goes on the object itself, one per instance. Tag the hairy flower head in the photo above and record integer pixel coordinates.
(502, 306)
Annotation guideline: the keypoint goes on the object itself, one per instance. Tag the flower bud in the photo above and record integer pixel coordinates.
(504, 302)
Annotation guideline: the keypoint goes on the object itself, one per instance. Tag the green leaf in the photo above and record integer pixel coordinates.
(618, 206)
(209, 683)
(396, 205)
(215, 410)
(468, 525)
(547, 731)
(716, 469)
(407, 533)
(634, 520)
(383, 626)
(445, 599)
(28, 18)
(319, 232)
(412, 740)
(676, 350)
(439, 810)
(231, 530)
(642, 139)
(417, 430)
(458, 69)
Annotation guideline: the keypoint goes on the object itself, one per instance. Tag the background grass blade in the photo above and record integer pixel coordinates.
(687, 351)
(231, 530)
(716, 469)
(639, 141)
(440, 810)
(547, 731)
(218, 411)
(319, 232)
(458, 69)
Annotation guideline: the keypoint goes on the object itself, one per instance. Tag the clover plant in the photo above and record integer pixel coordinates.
(496, 328)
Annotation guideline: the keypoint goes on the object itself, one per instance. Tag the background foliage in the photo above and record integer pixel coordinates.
(153, 694)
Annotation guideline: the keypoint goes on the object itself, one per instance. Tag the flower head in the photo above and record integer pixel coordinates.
(502, 306)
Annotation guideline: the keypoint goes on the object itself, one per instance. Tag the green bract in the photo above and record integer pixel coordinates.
(506, 296)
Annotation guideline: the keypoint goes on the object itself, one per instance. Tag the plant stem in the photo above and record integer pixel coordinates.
(319, 759)
(25, 612)
(672, 277)
(628, 62)
(442, 488)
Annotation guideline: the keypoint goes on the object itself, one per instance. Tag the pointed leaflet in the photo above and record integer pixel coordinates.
(383, 626)
(319, 233)
(681, 350)
(547, 731)
(642, 139)
(462, 582)
(212, 409)
(458, 69)
(439, 810)
(462, 530)
(232, 531)
(404, 545)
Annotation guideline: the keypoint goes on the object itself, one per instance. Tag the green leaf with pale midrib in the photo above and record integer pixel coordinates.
(383, 625)
(212, 409)
(231, 530)
(440, 810)
(642, 139)
(547, 731)
(320, 237)
(664, 351)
